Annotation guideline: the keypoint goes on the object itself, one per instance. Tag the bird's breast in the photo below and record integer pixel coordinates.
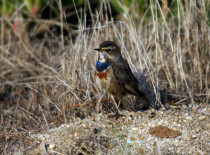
(103, 79)
(102, 70)
(102, 75)
(101, 66)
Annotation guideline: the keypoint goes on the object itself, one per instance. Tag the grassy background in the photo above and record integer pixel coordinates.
(47, 59)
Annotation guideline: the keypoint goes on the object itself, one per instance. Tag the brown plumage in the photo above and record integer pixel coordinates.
(120, 80)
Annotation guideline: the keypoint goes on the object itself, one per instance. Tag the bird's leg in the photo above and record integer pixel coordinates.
(117, 104)
(98, 103)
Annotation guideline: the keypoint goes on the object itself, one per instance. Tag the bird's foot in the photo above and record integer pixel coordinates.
(115, 115)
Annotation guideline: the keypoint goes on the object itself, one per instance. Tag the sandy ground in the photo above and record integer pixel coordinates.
(187, 131)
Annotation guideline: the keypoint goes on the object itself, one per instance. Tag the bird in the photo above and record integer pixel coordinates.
(114, 75)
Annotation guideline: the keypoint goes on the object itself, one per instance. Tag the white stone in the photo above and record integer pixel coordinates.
(51, 146)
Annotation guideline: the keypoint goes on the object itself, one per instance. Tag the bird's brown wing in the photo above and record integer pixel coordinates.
(125, 78)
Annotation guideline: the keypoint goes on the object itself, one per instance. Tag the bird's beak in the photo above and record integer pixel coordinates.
(97, 49)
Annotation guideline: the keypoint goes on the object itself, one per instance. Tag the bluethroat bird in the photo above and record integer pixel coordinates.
(114, 75)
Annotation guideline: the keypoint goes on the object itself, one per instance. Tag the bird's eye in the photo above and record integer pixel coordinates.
(109, 50)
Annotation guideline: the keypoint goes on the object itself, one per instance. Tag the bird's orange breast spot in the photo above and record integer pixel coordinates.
(102, 75)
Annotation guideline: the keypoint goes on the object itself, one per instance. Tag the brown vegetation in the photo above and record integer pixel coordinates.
(40, 77)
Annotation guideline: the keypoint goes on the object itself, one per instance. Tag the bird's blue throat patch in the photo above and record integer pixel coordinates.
(101, 66)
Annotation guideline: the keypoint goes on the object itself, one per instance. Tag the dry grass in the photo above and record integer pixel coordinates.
(39, 77)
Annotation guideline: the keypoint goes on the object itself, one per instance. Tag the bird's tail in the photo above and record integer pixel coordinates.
(150, 102)
(146, 93)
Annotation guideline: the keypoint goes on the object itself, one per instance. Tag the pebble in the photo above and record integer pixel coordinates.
(190, 118)
(202, 117)
(197, 129)
(51, 146)
(194, 132)
(204, 110)
(78, 119)
(195, 108)
(167, 123)
(176, 141)
(79, 123)
(207, 126)
(190, 105)
(134, 128)
(129, 118)
(133, 114)
(42, 138)
(194, 136)
(141, 151)
(176, 119)
(165, 114)
(84, 126)
(184, 106)
(98, 118)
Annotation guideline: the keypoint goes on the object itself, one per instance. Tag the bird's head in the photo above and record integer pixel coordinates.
(111, 49)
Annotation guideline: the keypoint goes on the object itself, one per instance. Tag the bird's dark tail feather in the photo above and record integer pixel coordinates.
(151, 103)
(147, 94)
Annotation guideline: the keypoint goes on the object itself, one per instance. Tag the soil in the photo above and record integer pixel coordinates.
(179, 130)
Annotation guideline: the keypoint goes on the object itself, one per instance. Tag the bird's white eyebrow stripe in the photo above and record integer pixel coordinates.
(106, 48)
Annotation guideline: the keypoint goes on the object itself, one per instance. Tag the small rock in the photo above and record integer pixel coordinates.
(175, 123)
(98, 118)
(194, 136)
(42, 148)
(164, 132)
(180, 116)
(96, 130)
(197, 153)
(129, 118)
(78, 119)
(190, 118)
(189, 152)
(134, 129)
(79, 123)
(142, 137)
(166, 106)
(197, 129)
(176, 141)
(167, 123)
(207, 126)
(190, 105)
(76, 135)
(43, 138)
(84, 126)
(109, 126)
(204, 110)
(165, 114)
(134, 142)
(184, 106)
(133, 114)
(132, 139)
(188, 137)
(202, 117)
(141, 151)
(195, 108)
(51, 146)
